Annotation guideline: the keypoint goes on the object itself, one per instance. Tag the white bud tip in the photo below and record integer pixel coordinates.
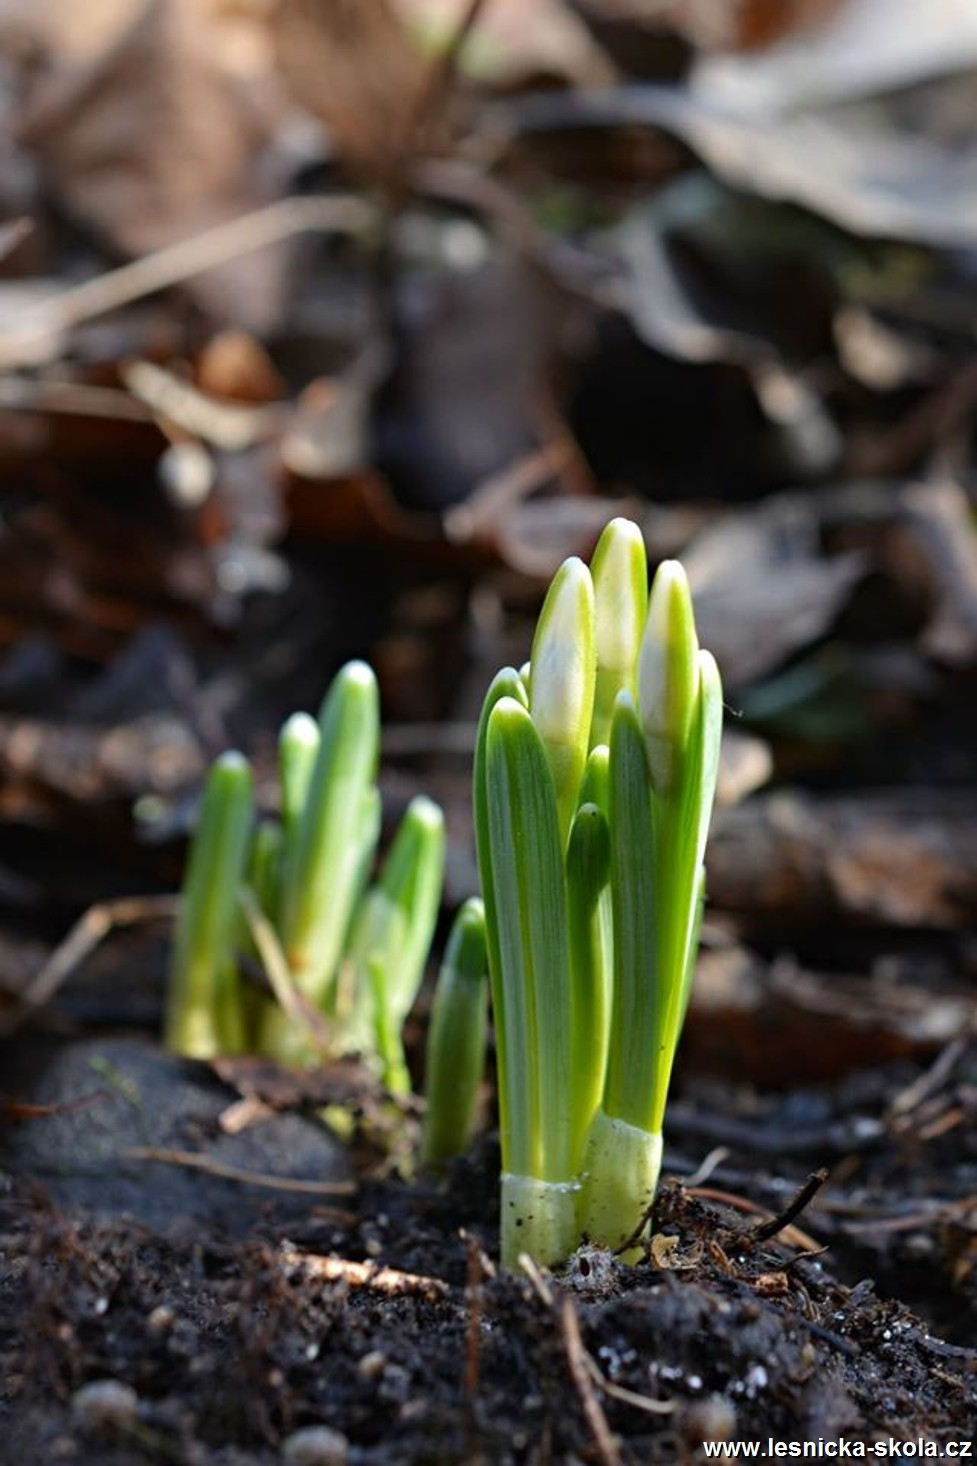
(301, 728)
(424, 811)
(561, 652)
(619, 598)
(233, 761)
(358, 673)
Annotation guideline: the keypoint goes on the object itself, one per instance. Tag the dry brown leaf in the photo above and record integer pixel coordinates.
(352, 64)
(146, 138)
(66, 34)
(512, 41)
(751, 24)
(664, 1250)
(780, 1025)
(899, 857)
(763, 589)
(846, 165)
(714, 25)
(860, 48)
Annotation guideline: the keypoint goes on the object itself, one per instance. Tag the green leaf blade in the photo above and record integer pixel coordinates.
(411, 881)
(563, 671)
(530, 891)
(298, 748)
(204, 1014)
(320, 883)
(456, 1044)
(619, 568)
(588, 873)
(634, 883)
(668, 675)
(685, 830)
(506, 684)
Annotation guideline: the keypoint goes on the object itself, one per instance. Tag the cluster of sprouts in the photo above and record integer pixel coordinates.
(344, 952)
(595, 772)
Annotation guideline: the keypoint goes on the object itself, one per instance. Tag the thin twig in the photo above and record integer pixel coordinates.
(33, 333)
(606, 1445)
(230, 426)
(440, 78)
(454, 181)
(366, 1275)
(828, 1336)
(948, 1351)
(637, 1237)
(944, 1123)
(924, 1084)
(242, 1113)
(923, 1218)
(17, 1110)
(795, 1262)
(710, 1163)
(792, 1236)
(626, 1396)
(802, 1197)
(86, 934)
(75, 399)
(473, 1341)
(535, 1275)
(486, 505)
(195, 1161)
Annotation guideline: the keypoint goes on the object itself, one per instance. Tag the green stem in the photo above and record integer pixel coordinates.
(513, 1070)
(387, 1034)
(298, 748)
(534, 962)
(635, 886)
(320, 881)
(455, 1056)
(588, 869)
(622, 1167)
(619, 568)
(204, 1015)
(393, 930)
(538, 1218)
(563, 670)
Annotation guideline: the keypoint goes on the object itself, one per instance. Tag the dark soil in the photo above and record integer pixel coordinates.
(209, 1296)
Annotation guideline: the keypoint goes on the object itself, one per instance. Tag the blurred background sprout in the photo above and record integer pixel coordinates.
(343, 951)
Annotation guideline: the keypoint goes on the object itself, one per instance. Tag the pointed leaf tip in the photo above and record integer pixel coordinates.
(300, 730)
(668, 673)
(620, 575)
(562, 677)
(425, 812)
(562, 663)
(233, 762)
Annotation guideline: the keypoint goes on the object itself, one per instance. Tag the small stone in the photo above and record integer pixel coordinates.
(316, 1445)
(372, 1365)
(712, 1419)
(162, 1319)
(106, 1404)
(395, 1385)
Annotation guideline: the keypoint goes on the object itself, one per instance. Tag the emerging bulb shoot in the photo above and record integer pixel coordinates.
(668, 675)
